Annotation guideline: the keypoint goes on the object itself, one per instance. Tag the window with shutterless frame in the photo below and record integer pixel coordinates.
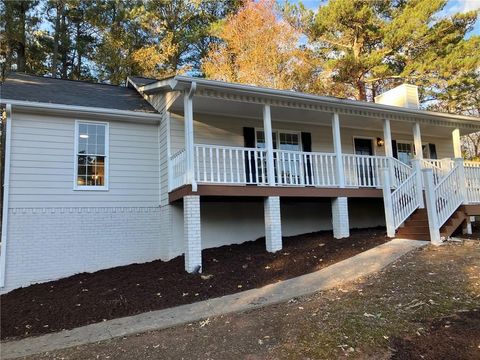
(91, 155)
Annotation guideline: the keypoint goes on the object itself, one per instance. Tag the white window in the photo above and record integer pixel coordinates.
(287, 140)
(91, 156)
(405, 152)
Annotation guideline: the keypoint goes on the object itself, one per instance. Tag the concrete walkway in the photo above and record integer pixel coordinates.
(361, 265)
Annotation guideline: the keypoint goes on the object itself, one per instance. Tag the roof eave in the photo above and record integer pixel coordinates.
(183, 83)
(83, 111)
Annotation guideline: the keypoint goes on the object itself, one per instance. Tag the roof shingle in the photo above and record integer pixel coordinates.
(24, 87)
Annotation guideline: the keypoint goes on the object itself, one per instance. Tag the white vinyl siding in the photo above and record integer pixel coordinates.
(43, 164)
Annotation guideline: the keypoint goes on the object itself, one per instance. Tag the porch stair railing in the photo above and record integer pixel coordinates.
(444, 198)
(400, 203)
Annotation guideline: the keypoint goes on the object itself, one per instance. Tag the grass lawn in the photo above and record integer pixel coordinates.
(424, 306)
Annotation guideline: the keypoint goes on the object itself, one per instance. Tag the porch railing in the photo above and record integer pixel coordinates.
(230, 165)
(440, 167)
(177, 169)
(305, 169)
(241, 166)
(366, 170)
(472, 181)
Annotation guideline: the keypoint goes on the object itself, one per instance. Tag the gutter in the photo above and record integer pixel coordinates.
(6, 188)
(31, 106)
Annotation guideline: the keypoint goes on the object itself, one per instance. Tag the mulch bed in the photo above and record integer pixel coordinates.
(128, 290)
(454, 337)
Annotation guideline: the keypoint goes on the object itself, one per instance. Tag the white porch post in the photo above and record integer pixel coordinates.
(417, 167)
(431, 207)
(340, 221)
(417, 140)
(192, 233)
(463, 180)
(457, 146)
(189, 137)
(337, 148)
(273, 223)
(387, 203)
(267, 129)
(387, 138)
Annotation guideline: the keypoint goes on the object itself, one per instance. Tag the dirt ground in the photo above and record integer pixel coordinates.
(424, 306)
(88, 298)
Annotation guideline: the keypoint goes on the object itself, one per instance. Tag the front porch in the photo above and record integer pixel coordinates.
(272, 145)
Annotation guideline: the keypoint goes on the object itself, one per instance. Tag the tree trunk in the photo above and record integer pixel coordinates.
(64, 52)
(362, 91)
(21, 46)
(59, 10)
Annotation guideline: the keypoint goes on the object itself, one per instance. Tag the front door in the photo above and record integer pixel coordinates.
(363, 146)
(364, 166)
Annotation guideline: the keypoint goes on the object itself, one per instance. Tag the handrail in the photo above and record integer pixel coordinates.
(448, 195)
(401, 203)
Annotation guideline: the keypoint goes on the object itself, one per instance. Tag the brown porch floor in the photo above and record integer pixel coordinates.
(263, 191)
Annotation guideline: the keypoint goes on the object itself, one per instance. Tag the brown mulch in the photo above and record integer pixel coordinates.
(454, 337)
(127, 290)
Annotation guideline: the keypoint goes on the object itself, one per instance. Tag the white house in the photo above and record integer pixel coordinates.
(98, 176)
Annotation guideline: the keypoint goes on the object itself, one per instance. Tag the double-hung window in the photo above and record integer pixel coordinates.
(91, 155)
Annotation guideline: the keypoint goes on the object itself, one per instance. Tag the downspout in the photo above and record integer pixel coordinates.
(6, 186)
(191, 141)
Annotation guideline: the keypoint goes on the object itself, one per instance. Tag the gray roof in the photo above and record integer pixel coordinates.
(140, 81)
(18, 86)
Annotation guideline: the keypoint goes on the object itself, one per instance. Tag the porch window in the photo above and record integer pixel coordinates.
(405, 152)
(91, 155)
(287, 140)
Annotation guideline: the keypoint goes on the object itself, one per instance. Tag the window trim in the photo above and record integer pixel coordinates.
(277, 136)
(105, 187)
(371, 138)
(412, 144)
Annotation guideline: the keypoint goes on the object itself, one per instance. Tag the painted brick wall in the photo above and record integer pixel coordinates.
(193, 242)
(273, 226)
(47, 244)
(340, 218)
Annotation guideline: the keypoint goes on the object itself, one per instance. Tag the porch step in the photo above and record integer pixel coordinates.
(416, 226)
(453, 223)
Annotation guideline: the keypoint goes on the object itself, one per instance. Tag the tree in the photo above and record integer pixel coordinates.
(178, 34)
(374, 45)
(17, 22)
(257, 47)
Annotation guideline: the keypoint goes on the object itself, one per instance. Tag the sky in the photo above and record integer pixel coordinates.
(452, 7)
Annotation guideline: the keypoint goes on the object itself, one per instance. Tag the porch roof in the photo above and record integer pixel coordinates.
(292, 99)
